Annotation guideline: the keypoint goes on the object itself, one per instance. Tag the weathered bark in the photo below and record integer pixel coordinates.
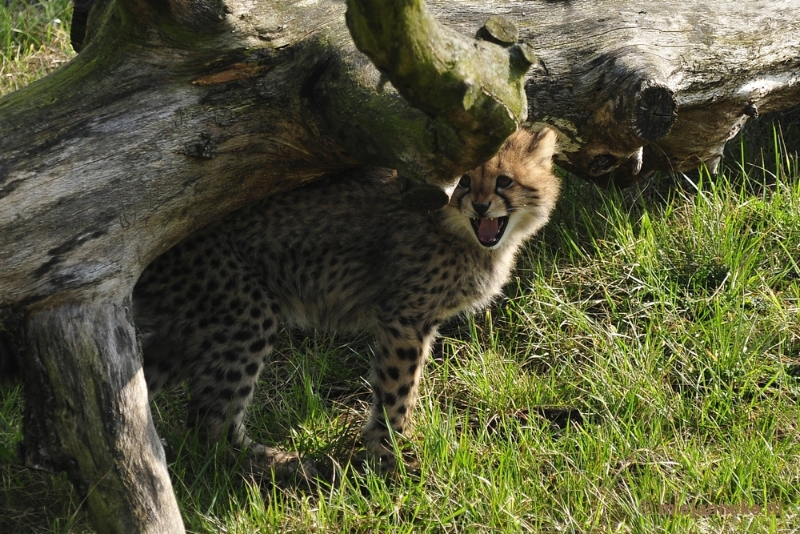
(177, 113)
(120, 470)
(655, 85)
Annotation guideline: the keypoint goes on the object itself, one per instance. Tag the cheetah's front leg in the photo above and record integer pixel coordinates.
(400, 355)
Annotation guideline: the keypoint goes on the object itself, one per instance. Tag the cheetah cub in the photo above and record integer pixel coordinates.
(340, 255)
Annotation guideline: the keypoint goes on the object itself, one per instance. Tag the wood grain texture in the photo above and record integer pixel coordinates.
(600, 61)
(88, 414)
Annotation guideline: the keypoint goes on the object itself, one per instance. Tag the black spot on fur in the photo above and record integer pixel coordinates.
(245, 334)
(393, 372)
(219, 337)
(257, 346)
(233, 375)
(409, 354)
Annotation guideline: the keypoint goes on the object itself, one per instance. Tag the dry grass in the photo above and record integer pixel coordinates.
(34, 41)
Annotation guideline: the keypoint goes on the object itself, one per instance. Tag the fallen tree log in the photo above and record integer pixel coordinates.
(177, 113)
(641, 86)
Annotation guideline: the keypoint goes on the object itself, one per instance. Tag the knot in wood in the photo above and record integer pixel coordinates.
(602, 164)
(205, 148)
(498, 30)
(421, 197)
(751, 110)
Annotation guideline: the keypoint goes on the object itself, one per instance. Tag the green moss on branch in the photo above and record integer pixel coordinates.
(474, 87)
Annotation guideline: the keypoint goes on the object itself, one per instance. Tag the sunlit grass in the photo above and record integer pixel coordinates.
(34, 40)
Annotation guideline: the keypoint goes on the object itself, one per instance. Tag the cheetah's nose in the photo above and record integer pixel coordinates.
(481, 209)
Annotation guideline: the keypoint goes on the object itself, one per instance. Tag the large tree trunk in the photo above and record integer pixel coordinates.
(175, 115)
(121, 470)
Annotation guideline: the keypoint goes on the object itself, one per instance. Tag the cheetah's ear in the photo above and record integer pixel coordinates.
(542, 147)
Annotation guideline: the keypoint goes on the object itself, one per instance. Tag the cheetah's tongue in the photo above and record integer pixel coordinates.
(487, 230)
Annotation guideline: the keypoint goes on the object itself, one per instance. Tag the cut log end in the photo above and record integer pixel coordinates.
(655, 113)
(498, 30)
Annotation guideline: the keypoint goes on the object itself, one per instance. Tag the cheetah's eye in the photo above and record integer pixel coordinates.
(464, 181)
(503, 181)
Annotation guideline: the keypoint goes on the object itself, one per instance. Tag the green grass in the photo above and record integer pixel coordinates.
(34, 40)
(663, 320)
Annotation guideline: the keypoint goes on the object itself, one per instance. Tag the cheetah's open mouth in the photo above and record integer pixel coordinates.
(489, 231)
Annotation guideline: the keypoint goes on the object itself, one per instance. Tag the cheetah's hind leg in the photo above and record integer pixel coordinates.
(221, 390)
(211, 324)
